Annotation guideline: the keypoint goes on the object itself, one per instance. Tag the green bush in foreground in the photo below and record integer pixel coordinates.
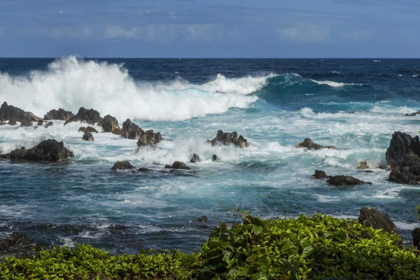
(319, 247)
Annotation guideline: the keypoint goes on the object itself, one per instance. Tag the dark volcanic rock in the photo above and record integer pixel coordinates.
(59, 114)
(195, 158)
(229, 138)
(412, 114)
(18, 242)
(342, 180)
(363, 165)
(87, 136)
(178, 165)
(214, 157)
(40, 122)
(84, 115)
(203, 219)
(149, 138)
(122, 165)
(49, 124)
(13, 115)
(308, 144)
(88, 129)
(371, 217)
(416, 238)
(403, 157)
(110, 124)
(319, 174)
(131, 130)
(47, 150)
(142, 169)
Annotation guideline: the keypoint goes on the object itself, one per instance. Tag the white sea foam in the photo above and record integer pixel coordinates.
(334, 84)
(71, 83)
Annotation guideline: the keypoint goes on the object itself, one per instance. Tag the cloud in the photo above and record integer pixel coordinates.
(306, 34)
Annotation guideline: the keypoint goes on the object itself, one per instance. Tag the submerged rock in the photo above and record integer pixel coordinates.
(87, 136)
(14, 114)
(403, 158)
(412, 114)
(122, 165)
(149, 138)
(18, 242)
(49, 124)
(203, 219)
(195, 158)
(88, 129)
(142, 169)
(342, 180)
(59, 114)
(319, 174)
(84, 115)
(178, 165)
(40, 122)
(363, 165)
(214, 157)
(110, 124)
(371, 217)
(223, 138)
(47, 150)
(416, 238)
(308, 144)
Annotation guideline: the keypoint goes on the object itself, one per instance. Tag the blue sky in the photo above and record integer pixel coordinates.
(229, 28)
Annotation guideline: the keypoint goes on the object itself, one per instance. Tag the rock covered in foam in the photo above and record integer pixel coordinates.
(363, 165)
(89, 116)
(149, 138)
(195, 158)
(14, 114)
(59, 114)
(47, 150)
(403, 157)
(308, 144)
(224, 138)
(371, 217)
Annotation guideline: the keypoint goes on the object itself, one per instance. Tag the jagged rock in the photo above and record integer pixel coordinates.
(122, 165)
(49, 124)
(363, 165)
(371, 217)
(84, 115)
(149, 138)
(131, 130)
(319, 174)
(59, 114)
(14, 114)
(142, 169)
(178, 165)
(110, 124)
(195, 158)
(214, 157)
(168, 166)
(87, 136)
(88, 129)
(203, 219)
(308, 144)
(17, 242)
(342, 181)
(416, 238)
(47, 150)
(403, 157)
(229, 138)
(412, 114)
(40, 122)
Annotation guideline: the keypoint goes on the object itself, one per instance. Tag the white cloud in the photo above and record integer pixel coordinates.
(306, 34)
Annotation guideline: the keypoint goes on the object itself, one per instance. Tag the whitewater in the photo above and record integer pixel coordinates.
(354, 105)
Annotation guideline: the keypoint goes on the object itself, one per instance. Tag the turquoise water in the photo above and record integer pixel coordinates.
(355, 105)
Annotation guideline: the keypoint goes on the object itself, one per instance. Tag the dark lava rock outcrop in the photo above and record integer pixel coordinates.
(371, 217)
(14, 114)
(319, 174)
(403, 158)
(59, 114)
(131, 130)
(195, 158)
(122, 165)
(178, 165)
(89, 116)
(308, 144)
(149, 138)
(87, 136)
(343, 181)
(47, 150)
(17, 243)
(110, 124)
(88, 129)
(223, 138)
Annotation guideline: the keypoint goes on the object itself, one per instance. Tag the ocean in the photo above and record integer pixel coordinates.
(353, 104)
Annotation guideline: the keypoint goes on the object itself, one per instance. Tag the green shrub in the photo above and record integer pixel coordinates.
(319, 247)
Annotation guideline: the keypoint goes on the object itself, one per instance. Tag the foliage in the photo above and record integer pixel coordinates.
(319, 247)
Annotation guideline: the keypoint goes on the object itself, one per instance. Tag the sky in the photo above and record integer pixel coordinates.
(211, 29)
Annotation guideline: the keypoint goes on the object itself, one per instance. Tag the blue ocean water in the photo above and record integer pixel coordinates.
(355, 105)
